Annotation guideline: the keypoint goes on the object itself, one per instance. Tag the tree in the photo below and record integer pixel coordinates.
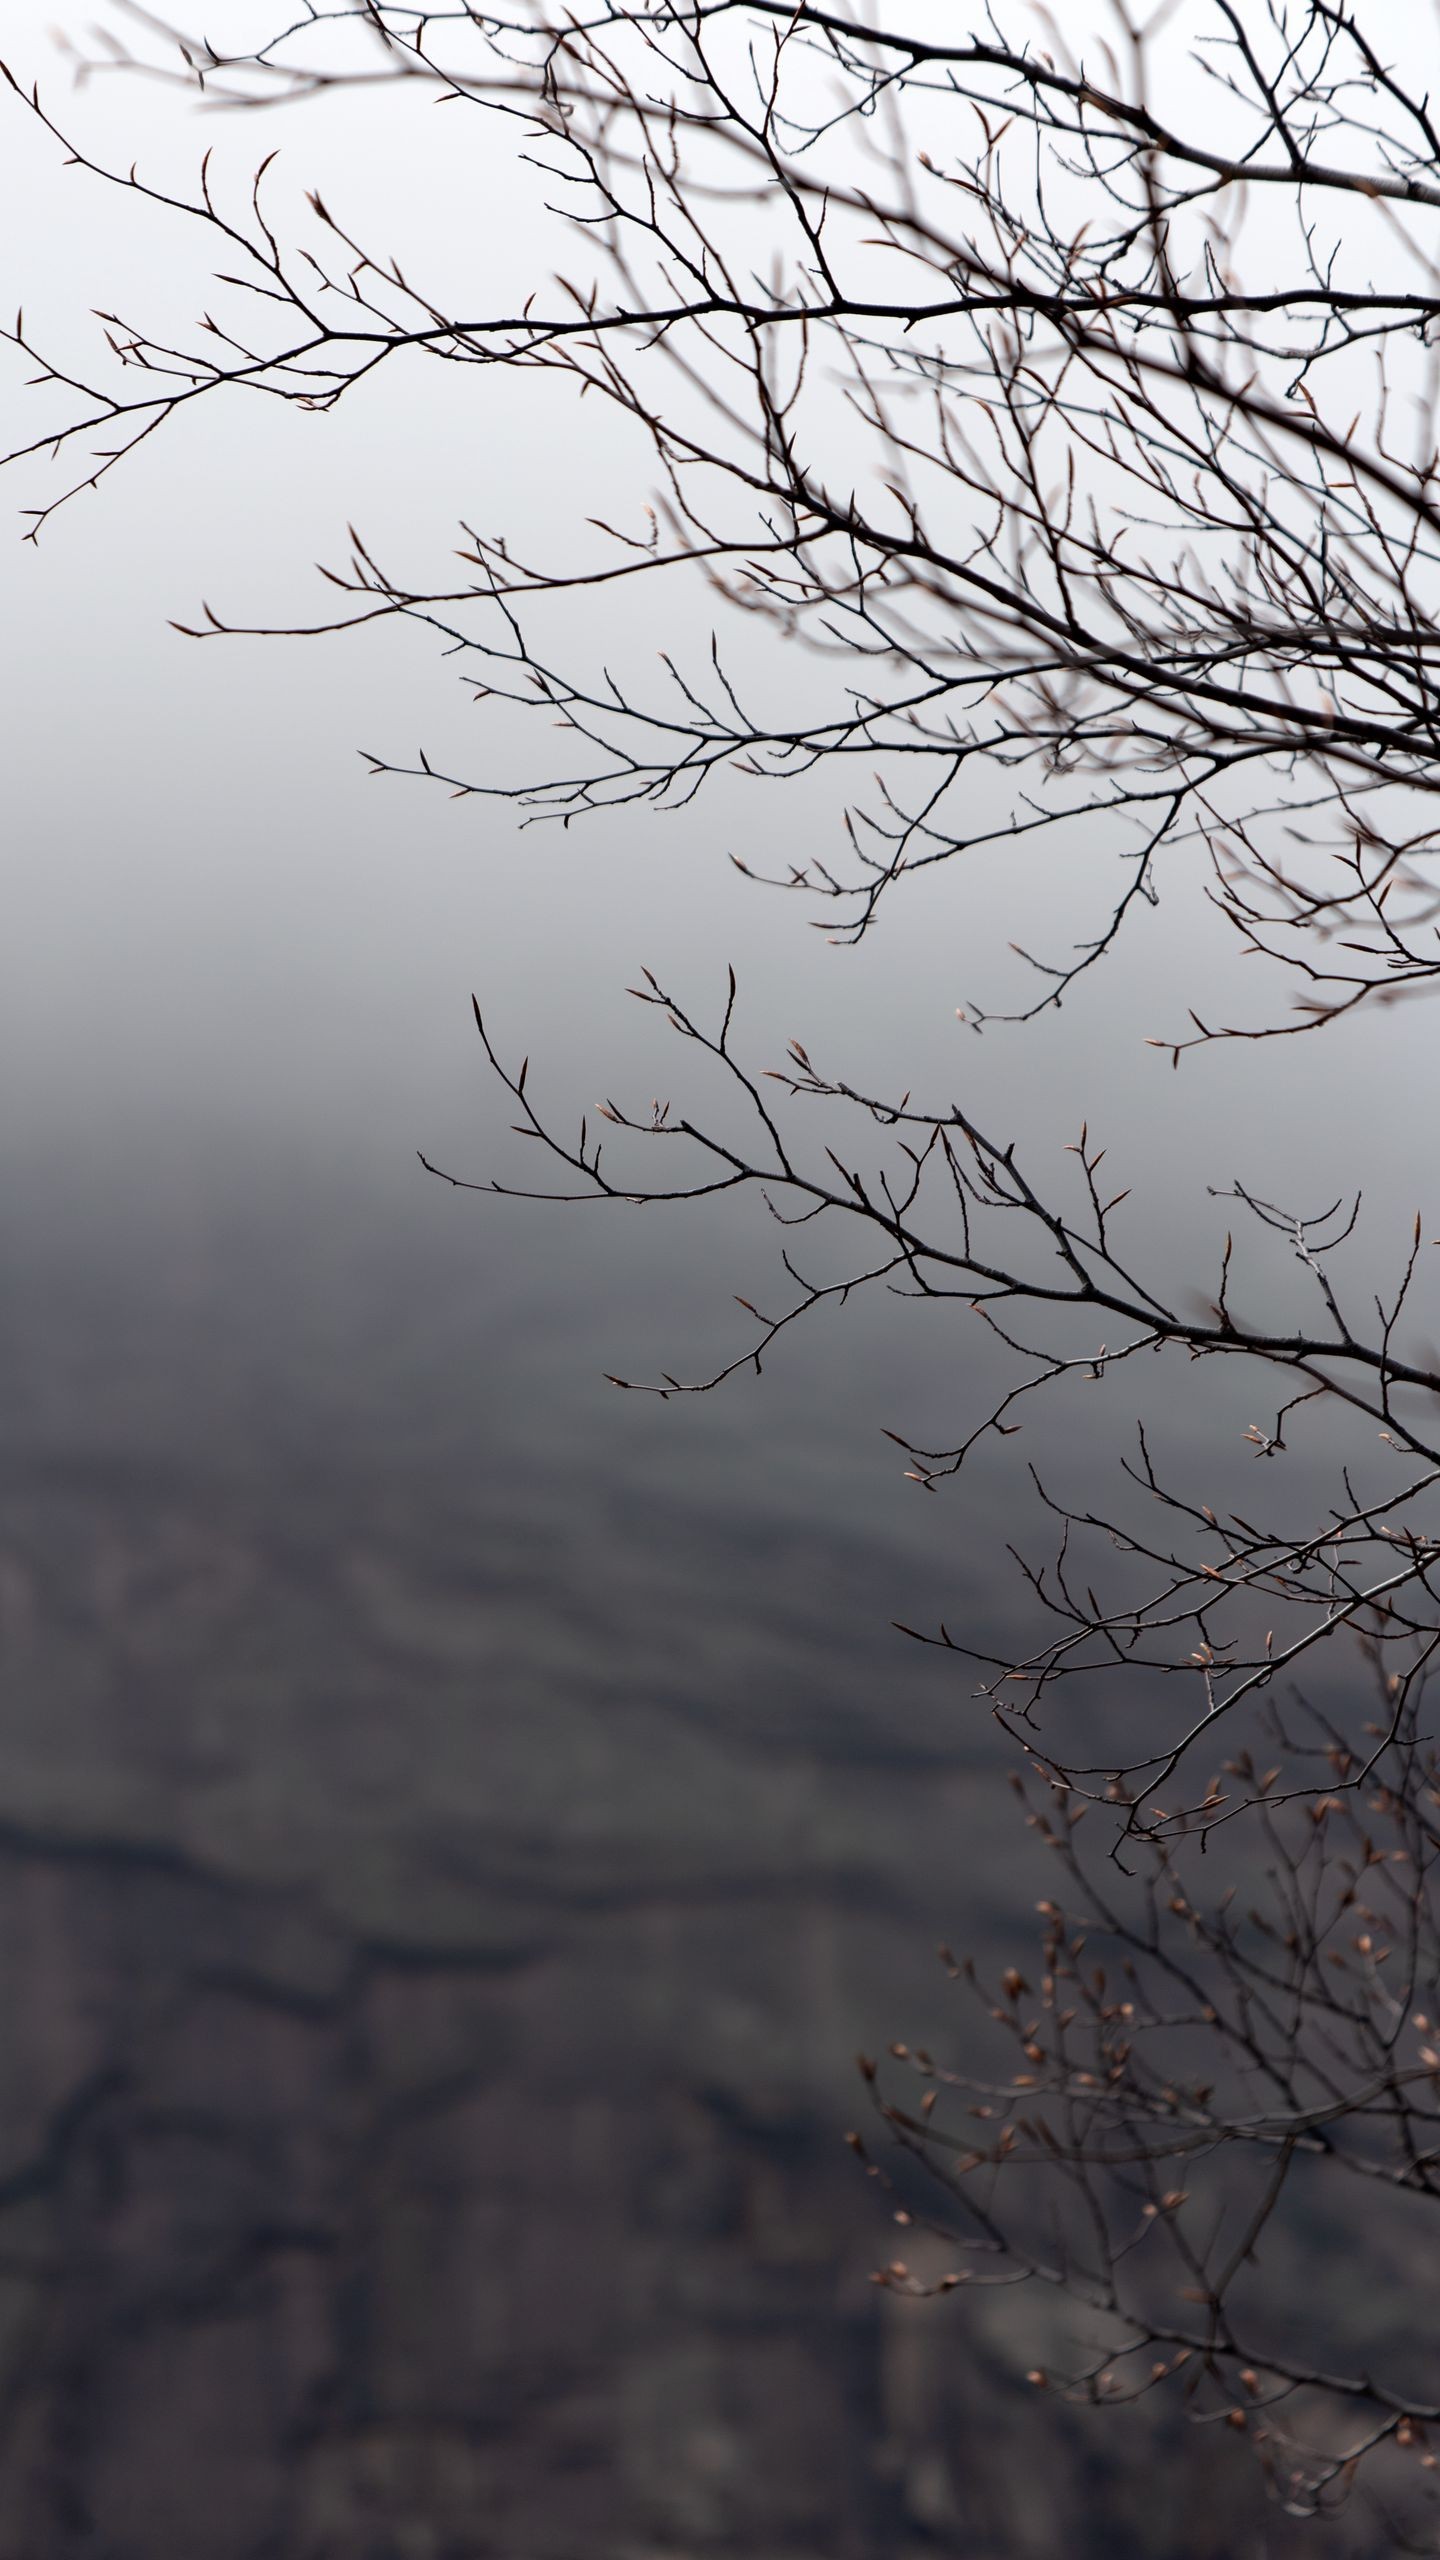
(1072, 403)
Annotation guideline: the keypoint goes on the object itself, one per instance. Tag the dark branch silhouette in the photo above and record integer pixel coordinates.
(1073, 403)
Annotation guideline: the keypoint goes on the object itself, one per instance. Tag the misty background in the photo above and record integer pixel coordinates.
(458, 1822)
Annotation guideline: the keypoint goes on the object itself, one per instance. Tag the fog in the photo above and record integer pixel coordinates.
(542, 1758)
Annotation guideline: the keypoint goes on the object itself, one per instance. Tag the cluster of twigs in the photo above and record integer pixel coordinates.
(1137, 534)
(1227, 1604)
(1190, 2077)
(1255, 2057)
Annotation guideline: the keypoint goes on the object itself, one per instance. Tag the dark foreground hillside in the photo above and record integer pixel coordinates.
(449, 1853)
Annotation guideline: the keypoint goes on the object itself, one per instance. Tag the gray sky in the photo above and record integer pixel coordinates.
(225, 943)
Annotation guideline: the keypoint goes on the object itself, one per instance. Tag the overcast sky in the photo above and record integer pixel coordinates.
(224, 940)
